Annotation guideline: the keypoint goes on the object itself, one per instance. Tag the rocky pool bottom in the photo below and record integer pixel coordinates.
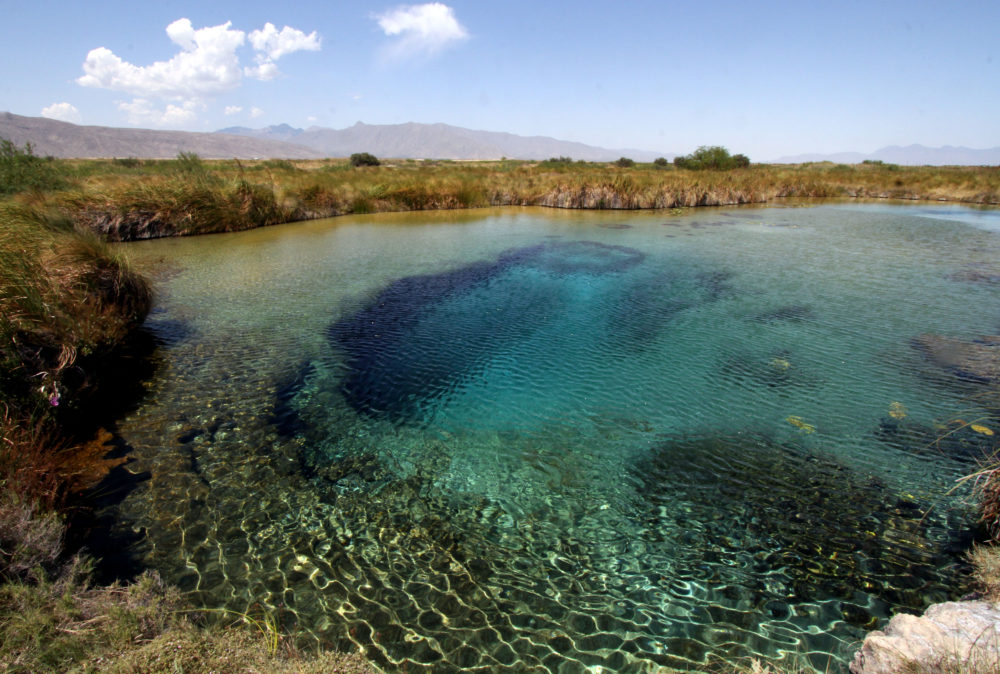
(564, 446)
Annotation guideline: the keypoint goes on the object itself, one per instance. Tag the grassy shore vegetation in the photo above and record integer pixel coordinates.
(127, 199)
(70, 308)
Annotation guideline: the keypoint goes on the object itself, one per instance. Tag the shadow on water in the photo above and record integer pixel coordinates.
(126, 374)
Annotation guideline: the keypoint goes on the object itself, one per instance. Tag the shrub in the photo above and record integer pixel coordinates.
(714, 157)
(364, 159)
(661, 163)
(624, 162)
(189, 162)
(127, 162)
(22, 171)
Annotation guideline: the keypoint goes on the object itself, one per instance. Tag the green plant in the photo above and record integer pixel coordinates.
(21, 170)
(624, 162)
(364, 159)
(661, 163)
(127, 162)
(714, 157)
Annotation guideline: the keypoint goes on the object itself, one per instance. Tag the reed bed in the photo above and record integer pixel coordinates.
(145, 199)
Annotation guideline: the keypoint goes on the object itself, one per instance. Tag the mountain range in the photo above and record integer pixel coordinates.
(411, 140)
(911, 155)
(435, 141)
(49, 137)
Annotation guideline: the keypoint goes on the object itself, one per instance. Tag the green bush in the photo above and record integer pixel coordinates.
(711, 157)
(189, 162)
(22, 171)
(364, 159)
(661, 163)
(624, 162)
(127, 162)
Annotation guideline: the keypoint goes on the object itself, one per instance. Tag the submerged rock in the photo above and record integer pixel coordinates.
(793, 313)
(977, 360)
(953, 636)
(810, 529)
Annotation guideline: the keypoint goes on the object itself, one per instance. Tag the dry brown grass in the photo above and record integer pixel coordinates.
(157, 200)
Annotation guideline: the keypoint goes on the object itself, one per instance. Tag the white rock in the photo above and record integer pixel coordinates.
(949, 635)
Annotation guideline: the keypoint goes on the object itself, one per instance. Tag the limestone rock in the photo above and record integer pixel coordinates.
(947, 636)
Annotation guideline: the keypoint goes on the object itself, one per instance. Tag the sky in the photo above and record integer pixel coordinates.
(767, 79)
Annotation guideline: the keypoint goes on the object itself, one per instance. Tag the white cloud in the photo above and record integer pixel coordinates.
(140, 112)
(421, 29)
(233, 109)
(256, 112)
(275, 44)
(264, 72)
(64, 112)
(206, 66)
(271, 44)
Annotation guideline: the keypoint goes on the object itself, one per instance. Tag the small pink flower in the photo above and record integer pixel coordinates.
(54, 399)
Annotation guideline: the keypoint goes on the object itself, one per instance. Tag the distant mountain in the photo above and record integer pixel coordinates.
(911, 155)
(282, 132)
(436, 141)
(62, 139)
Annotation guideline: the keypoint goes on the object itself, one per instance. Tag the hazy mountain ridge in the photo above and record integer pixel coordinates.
(411, 140)
(437, 141)
(63, 139)
(911, 155)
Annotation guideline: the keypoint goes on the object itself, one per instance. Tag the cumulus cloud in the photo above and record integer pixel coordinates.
(206, 66)
(233, 109)
(64, 112)
(256, 112)
(421, 29)
(141, 112)
(274, 43)
(271, 44)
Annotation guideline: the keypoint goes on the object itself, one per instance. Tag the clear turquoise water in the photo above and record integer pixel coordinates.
(565, 440)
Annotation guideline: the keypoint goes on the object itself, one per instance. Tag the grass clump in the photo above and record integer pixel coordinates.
(66, 300)
(22, 171)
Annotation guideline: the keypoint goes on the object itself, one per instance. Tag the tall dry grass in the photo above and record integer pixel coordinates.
(160, 199)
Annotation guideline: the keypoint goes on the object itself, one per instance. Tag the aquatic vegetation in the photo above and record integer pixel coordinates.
(800, 424)
(807, 528)
(897, 410)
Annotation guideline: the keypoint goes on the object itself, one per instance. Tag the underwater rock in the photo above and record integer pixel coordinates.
(979, 274)
(793, 313)
(977, 360)
(953, 636)
(957, 439)
(810, 528)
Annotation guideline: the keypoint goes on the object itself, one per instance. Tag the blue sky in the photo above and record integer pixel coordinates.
(763, 78)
